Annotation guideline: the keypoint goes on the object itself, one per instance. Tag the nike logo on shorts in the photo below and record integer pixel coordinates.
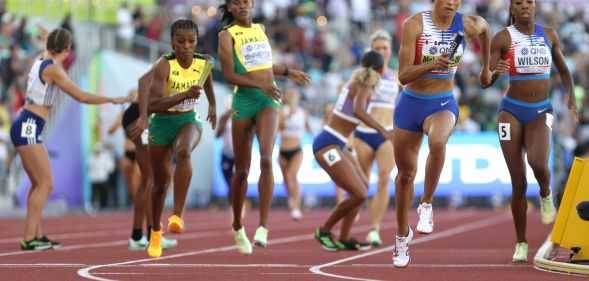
(444, 103)
(541, 110)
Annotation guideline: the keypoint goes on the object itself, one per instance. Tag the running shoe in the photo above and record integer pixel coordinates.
(168, 243)
(326, 240)
(521, 252)
(155, 244)
(243, 244)
(54, 244)
(35, 244)
(296, 214)
(261, 237)
(373, 237)
(352, 245)
(175, 224)
(401, 256)
(547, 209)
(426, 218)
(138, 245)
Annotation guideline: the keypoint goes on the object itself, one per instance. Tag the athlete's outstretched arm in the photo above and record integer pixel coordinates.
(407, 70)
(499, 46)
(210, 93)
(563, 71)
(477, 26)
(228, 67)
(57, 75)
(224, 119)
(157, 102)
(293, 74)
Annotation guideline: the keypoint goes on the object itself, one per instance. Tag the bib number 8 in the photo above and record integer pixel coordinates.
(28, 130)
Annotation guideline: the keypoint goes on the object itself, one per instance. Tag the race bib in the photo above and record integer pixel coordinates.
(185, 105)
(256, 54)
(145, 137)
(532, 59)
(504, 131)
(433, 50)
(332, 156)
(28, 130)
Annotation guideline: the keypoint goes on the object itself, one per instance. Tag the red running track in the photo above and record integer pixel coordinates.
(466, 245)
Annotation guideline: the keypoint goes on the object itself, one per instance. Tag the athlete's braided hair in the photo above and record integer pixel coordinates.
(58, 40)
(372, 63)
(183, 24)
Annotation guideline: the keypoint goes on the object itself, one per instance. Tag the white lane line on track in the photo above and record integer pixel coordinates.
(85, 272)
(438, 235)
(42, 265)
(425, 265)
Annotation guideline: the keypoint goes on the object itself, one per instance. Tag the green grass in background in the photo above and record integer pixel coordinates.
(100, 11)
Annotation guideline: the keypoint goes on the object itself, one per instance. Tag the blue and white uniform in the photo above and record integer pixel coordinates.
(413, 108)
(27, 127)
(530, 58)
(344, 108)
(385, 96)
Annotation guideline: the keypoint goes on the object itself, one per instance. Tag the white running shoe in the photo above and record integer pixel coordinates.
(521, 252)
(401, 256)
(261, 237)
(547, 209)
(138, 245)
(426, 218)
(296, 214)
(373, 237)
(243, 244)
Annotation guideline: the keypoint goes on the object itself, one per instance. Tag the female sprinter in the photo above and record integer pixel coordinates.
(527, 50)
(328, 146)
(369, 144)
(292, 125)
(45, 75)
(427, 105)
(246, 60)
(176, 127)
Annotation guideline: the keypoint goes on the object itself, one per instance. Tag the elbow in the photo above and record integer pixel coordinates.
(403, 78)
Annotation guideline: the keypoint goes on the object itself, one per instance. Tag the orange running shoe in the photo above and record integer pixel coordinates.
(175, 224)
(155, 244)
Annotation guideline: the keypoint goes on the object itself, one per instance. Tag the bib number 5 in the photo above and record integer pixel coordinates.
(504, 131)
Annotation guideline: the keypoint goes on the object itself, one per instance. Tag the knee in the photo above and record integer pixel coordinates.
(540, 169)
(358, 196)
(405, 177)
(437, 148)
(383, 179)
(241, 174)
(518, 181)
(46, 186)
(266, 163)
(183, 155)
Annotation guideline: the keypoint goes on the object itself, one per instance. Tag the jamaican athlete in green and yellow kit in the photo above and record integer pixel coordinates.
(164, 127)
(251, 52)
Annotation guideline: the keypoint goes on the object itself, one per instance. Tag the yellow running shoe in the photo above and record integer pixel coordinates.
(155, 244)
(521, 252)
(243, 244)
(175, 224)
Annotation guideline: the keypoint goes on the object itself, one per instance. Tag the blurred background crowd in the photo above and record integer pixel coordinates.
(326, 38)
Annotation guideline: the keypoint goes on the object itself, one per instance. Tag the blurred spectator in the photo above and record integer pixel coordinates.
(125, 27)
(66, 24)
(100, 166)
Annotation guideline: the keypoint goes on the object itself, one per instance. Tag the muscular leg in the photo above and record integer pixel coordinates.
(266, 129)
(406, 146)
(537, 141)
(37, 166)
(186, 140)
(343, 174)
(438, 128)
(242, 134)
(513, 153)
(142, 206)
(161, 162)
(385, 161)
